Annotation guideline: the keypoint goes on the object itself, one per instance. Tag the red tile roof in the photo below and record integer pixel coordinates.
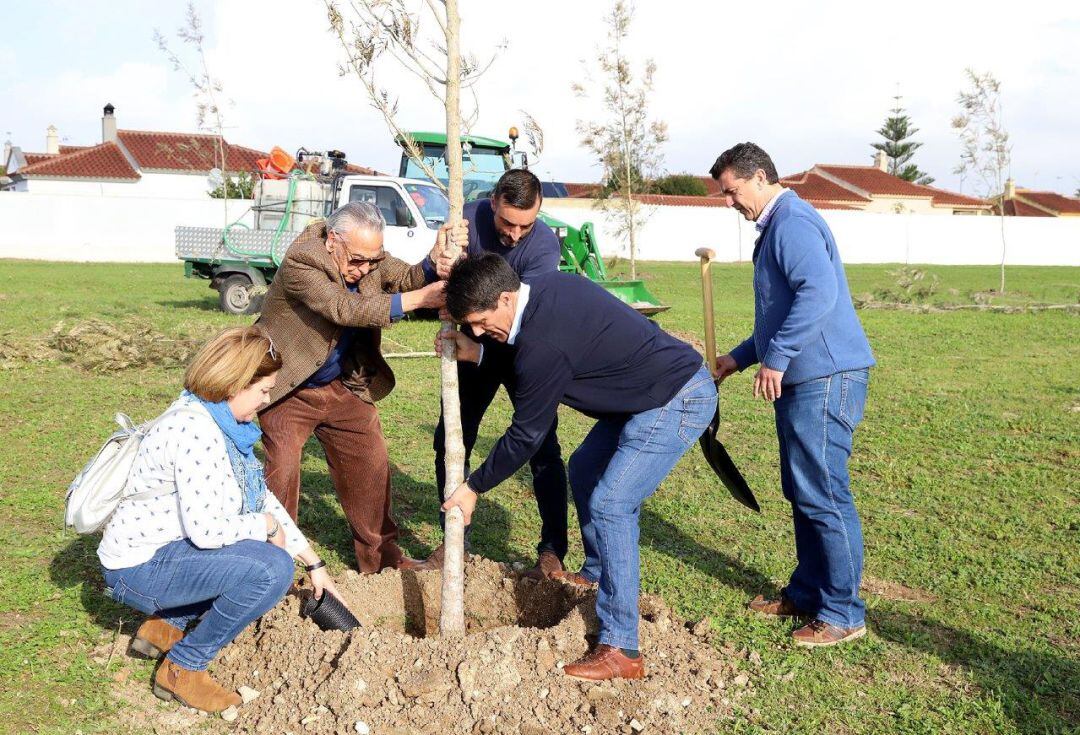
(944, 198)
(193, 152)
(1017, 208)
(874, 181)
(1051, 200)
(830, 205)
(581, 191)
(674, 200)
(816, 188)
(32, 158)
(105, 161)
(72, 148)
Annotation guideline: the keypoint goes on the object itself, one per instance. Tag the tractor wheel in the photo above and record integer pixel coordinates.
(235, 296)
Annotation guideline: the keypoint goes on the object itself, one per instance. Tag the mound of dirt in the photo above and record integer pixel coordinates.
(394, 676)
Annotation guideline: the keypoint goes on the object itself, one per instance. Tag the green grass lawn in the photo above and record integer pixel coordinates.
(965, 472)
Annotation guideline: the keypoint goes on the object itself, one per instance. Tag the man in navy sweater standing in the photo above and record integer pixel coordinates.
(506, 224)
(815, 362)
(651, 395)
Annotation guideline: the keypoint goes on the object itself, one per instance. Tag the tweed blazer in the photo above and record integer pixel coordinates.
(308, 305)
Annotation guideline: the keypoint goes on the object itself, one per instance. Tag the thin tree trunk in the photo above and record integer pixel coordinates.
(452, 619)
(1002, 220)
(628, 182)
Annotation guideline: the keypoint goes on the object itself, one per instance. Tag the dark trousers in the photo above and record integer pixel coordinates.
(351, 436)
(477, 386)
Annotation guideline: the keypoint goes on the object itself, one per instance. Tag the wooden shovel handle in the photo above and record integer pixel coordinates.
(706, 256)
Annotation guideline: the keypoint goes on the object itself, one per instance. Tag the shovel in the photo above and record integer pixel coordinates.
(715, 454)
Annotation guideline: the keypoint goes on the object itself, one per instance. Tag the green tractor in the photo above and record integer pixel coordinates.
(486, 159)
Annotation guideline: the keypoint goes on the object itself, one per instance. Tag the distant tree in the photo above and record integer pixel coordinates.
(986, 153)
(899, 147)
(207, 89)
(625, 142)
(679, 185)
(1077, 193)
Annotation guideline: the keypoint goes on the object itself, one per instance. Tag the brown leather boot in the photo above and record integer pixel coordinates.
(547, 565)
(606, 662)
(155, 637)
(575, 578)
(779, 608)
(818, 633)
(196, 689)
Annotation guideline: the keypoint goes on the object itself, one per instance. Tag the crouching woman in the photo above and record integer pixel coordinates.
(201, 539)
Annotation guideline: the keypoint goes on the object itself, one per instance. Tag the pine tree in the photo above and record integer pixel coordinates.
(897, 131)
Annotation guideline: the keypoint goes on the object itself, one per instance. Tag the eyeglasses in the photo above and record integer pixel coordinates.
(355, 261)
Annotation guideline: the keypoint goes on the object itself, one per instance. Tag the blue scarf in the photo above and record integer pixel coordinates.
(240, 438)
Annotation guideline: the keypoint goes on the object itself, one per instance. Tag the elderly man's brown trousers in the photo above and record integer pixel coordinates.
(351, 436)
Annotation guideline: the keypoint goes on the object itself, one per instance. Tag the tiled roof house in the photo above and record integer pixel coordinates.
(1020, 202)
(133, 162)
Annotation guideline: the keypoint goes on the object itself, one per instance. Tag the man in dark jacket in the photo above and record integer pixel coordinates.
(577, 345)
(506, 224)
(815, 363)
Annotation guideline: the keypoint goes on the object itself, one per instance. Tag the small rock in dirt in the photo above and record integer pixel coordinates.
(686, 702)
(360, 685)
(542, 694)
(247, 694)
(362, 728)
(230, 714)
(702, 628)
(599, 694)
(741, 680)
(636, 726)
(755, 658)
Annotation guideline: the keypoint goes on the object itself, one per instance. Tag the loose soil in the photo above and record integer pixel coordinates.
(395, 676)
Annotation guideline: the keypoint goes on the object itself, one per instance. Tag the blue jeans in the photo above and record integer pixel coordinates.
(815, 421)
(233, 586)
(620, 464)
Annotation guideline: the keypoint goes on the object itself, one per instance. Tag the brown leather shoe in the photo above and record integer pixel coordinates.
(406, 564)
(606, 662)
(781, 608)
(818, 633)
(574, 578)
(196, 689)
(155, 637)
(547, 565)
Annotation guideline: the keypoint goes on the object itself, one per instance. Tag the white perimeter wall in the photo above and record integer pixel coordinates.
(97, 227)
(674, 233)
(104, 228)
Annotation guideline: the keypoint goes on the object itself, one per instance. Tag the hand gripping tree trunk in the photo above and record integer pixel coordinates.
(385, 28)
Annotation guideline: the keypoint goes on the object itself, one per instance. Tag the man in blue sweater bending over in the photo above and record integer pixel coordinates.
(506, 224)
(815, 364)
(651, 396)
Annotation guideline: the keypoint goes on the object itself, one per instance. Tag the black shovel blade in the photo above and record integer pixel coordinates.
(724, 467)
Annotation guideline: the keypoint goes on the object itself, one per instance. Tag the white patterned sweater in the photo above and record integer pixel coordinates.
(185, 452)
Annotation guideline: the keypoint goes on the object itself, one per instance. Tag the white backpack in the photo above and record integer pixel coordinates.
(97, 490)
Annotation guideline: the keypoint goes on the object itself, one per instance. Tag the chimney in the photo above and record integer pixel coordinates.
(52, 141)
(1010, 189)
(881, 161)
(108, 125)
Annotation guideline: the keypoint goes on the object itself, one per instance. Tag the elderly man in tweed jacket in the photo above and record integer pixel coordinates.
(325, 310)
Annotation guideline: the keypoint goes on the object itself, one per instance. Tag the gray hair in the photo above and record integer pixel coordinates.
(354, 216)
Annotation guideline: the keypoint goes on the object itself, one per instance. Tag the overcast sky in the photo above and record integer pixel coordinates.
(810, 82)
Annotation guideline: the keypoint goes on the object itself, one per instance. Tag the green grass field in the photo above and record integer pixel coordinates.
(965, 472)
